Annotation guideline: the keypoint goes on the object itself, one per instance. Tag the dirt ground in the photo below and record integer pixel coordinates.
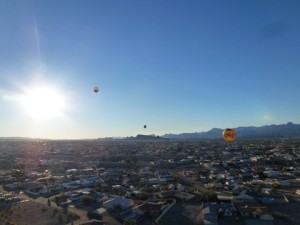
(193, 212)
(31, 213)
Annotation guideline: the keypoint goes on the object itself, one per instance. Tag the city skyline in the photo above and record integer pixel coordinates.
(174, 66)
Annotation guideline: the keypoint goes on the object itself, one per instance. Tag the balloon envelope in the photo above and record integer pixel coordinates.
(96, 89)
(145, 126)
(229, 135)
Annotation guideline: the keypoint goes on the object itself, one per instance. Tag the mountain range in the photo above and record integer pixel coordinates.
(289, 130)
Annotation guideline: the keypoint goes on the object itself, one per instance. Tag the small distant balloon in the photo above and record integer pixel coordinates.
(145, 126)
(96, 89)
(229, 135)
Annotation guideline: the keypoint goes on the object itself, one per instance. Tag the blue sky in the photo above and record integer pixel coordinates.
(175, 65)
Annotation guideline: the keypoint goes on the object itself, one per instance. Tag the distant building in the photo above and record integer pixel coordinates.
(123, 203)
(147, 208)
(246, 195)
(94, 222)
(184, 196)
(210, 216)
(258, 222)
(167, 194)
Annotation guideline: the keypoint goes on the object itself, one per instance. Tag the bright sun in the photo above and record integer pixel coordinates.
(43, 103)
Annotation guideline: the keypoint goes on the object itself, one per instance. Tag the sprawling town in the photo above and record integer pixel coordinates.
(144, 182)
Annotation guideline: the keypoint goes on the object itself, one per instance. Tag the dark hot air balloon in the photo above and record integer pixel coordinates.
(96, 89)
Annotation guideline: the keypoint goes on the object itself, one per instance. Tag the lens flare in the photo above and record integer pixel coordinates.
(43, 103)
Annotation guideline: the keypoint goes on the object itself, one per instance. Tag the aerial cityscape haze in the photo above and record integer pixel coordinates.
(147, 181)
(149, 112)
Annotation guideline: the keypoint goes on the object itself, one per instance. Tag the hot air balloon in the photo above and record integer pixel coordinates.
(145, 126)
(96, 89)
(229, 135)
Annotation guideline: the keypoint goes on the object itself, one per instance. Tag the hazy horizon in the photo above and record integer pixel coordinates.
(134, 135)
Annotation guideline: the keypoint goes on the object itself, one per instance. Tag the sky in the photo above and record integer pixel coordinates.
(173, 65)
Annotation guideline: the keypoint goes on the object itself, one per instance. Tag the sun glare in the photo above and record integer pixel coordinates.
(43, 103)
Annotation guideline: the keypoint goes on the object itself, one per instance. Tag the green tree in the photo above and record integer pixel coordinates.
(210, 196)
(143, 196)
(87, 200)
(60, 219)
(275, 187)
(258, 187)
(169, 201)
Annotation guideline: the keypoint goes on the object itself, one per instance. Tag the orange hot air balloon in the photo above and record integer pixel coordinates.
(229, 135)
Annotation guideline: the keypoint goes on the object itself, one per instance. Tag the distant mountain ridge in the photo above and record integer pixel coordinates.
(143, 137)
(289, 130)
(15, 138)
